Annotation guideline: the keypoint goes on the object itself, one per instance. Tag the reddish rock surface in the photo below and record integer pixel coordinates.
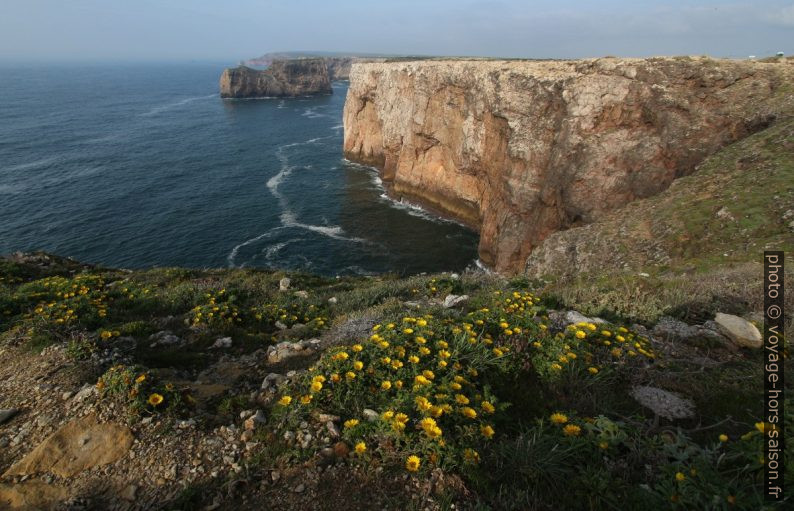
(521, 149)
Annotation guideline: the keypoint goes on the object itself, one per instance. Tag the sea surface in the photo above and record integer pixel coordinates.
(145, 165)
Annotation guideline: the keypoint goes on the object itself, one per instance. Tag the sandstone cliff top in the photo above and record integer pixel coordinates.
(560, 69)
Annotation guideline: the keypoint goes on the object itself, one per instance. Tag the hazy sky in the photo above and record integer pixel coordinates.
(230, 30)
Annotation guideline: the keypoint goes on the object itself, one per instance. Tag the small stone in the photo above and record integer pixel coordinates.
(573, 317)
(300, 488)
(663, 403)
(66, 395)
(302, 294)
(255, 420)
(281, 326)
(272, 380)
(222, 342)
(370, 415)
(86, 392)
(5, 415)
(283, 284)
(454, 276)
(454, 300)
(725, 214)
(739, 330)
(341, 450)
(275, 476)
(325, 417)
(185, 423)
(333, 430)
(333, 300)
(247, 436)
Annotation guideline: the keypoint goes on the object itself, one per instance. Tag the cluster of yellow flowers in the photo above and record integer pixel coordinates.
(136, 387)
(424, 374)
(63, 301)
(217, 312)
(568, 429)
(308, 314)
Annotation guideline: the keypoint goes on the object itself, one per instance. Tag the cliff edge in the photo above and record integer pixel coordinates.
(522, 149)
(286, 78)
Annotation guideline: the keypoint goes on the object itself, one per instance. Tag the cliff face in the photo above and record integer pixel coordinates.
(338, 67)
(521, 149)
(286, 78)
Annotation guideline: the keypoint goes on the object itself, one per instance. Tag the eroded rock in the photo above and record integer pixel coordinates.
(739, 330)
(663, 403)
(78, 445)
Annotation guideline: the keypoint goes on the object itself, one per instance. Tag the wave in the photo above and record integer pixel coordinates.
(33, 164)
(311, 112)
(170, 106)
(233, 254)
(407, 206)
(288, 217)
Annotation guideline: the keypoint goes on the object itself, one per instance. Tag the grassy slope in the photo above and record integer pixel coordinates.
(528, 464)
(699, 262)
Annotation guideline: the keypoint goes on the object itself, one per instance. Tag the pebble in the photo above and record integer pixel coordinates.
(7, 414)
(333, 430)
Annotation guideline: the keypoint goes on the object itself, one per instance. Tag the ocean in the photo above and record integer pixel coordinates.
(145, 165)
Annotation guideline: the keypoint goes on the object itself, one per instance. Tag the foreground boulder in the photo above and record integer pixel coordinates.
(739, 330)
(77, 446)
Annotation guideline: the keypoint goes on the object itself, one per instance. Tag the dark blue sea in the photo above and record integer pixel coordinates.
(144, 165)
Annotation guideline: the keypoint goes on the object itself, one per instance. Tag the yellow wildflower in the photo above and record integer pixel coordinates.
(572, 430)
(559, 418)
(469, 412)
(413, 463)
(155, 399)
(285, 400)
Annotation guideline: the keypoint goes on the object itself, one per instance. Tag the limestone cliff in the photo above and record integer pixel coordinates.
(338, 65)
(285, 78)
(522, 149)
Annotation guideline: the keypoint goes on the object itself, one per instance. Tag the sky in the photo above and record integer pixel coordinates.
(232, 30)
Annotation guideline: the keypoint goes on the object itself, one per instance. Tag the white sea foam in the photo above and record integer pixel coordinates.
(407, 206)
(481, 266)
(312, 113)
(176, 104)
(288, 217)
(233, 254)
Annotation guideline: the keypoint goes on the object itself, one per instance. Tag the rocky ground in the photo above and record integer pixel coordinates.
(67, 444)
